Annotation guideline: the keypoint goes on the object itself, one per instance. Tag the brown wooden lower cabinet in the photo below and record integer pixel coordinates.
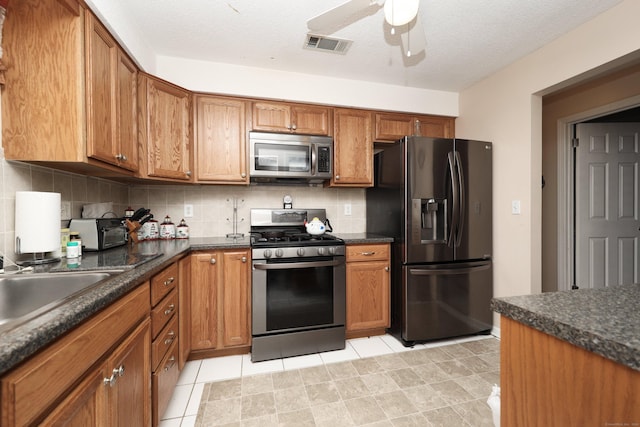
(99, 374)
(220, 302)
(545, 381)
(368, 289)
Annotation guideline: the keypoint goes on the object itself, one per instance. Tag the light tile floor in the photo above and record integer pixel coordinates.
(184, 404)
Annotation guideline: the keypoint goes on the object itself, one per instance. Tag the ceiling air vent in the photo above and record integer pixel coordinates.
(327, 44)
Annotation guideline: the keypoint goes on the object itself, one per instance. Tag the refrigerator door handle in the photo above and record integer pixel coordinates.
(455, 196)
(461, 190)
(464, 268)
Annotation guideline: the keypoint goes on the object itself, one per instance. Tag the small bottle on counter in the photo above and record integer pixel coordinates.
(74, 236)
(64, 239)
(182, 230)
(167, 229)
(73, 249)
(128, 213)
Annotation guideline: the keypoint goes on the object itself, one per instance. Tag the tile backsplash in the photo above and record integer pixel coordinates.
(212, 204)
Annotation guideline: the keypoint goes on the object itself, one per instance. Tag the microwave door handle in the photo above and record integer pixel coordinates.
(313, 159)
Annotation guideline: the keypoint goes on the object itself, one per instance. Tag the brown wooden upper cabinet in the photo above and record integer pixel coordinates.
(69, 98)
(220, 154)
(294, 118)
(352, 148)
(111, 99)
(164, 120)
(390, 127)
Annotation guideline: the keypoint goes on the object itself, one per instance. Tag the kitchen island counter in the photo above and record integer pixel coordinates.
(137, 265)
(603, 321)
(570, 357)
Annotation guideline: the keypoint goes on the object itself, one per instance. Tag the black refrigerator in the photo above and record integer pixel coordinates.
(433, 196)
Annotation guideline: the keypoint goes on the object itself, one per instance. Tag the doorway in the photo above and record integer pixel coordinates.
(606, 159)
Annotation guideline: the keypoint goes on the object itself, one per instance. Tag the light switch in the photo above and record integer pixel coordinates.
(515, 207)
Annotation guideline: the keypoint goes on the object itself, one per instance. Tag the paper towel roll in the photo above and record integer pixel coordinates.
(37, 221)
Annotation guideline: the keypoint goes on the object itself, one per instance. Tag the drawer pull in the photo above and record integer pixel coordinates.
(119, 371)
(170, 363)
(169, 281)
(169, 310)
(171, 336)
(367, 253)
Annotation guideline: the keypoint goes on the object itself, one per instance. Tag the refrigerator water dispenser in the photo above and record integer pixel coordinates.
(429, 220)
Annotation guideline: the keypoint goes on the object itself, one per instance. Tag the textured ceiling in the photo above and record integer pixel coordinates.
(467, 40)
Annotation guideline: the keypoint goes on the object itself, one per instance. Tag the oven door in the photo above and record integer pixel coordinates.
(295, 295)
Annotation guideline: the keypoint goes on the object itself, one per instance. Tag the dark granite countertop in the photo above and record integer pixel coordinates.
(137, 264)
(603, 321)
(357, 238)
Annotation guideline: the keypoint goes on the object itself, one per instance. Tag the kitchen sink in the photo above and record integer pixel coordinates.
(25, 296)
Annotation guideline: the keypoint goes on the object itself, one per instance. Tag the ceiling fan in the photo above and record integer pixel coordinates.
(401, 15)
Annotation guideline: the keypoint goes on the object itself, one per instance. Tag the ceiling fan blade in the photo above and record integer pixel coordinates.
(413, 39)
(332, 18)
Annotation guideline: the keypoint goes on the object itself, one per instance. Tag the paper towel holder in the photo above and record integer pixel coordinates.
(38, 240)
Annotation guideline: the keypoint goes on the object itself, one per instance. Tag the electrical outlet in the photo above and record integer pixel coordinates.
(65, 210)
(188, 211)
(347, 209)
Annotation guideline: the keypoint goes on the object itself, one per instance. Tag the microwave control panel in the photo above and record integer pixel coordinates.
(324, 160)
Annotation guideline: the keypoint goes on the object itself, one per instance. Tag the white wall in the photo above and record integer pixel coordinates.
(506, 109)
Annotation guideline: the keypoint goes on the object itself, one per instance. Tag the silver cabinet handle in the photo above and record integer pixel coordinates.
(367, 253)
(171, 362)
(212, 261)
(169, 310)
(294, 265)
(172, 336)
(169, 281)
(115, 374)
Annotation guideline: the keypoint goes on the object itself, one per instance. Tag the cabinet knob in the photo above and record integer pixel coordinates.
(243, 175)
(337, 177)
(121, 157)
(244, 259)
(294, 127)
(119, 371)
(188, 173)
(212, 261)
(386, 268)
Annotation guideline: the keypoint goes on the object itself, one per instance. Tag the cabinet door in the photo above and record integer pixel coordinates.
(101, 57)
(130, 392)
(353, 148)
(127, 125)
(271, 117)
(220, 148)
(235, 297)
(435, 127)
(391, 127)
(367, 295)
(165, 129)
(310, 120)
(85, 405)
(204, 299)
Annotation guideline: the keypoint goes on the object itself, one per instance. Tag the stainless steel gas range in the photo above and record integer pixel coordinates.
(298, 285)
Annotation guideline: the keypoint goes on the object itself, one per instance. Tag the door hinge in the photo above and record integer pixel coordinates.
(575, 142)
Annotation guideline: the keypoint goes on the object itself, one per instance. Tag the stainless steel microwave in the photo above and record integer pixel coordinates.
(290, 158)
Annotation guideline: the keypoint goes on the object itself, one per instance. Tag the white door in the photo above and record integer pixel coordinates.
(606, 207)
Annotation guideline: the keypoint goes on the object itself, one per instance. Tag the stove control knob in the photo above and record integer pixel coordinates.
(267, 253)
(321, 251)
(279, 253)
(332, 250)
(300, 251)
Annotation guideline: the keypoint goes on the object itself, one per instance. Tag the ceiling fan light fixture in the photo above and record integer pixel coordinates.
(400, 12)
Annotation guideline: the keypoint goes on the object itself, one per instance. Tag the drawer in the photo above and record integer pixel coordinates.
(163, 312)
(163, 283)
(160, 345)
(164, 381)
(367, 252)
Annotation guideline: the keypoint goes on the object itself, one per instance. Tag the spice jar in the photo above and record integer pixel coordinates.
(74, 236)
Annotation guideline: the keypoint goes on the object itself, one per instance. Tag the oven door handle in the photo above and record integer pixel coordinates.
(290, 265)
